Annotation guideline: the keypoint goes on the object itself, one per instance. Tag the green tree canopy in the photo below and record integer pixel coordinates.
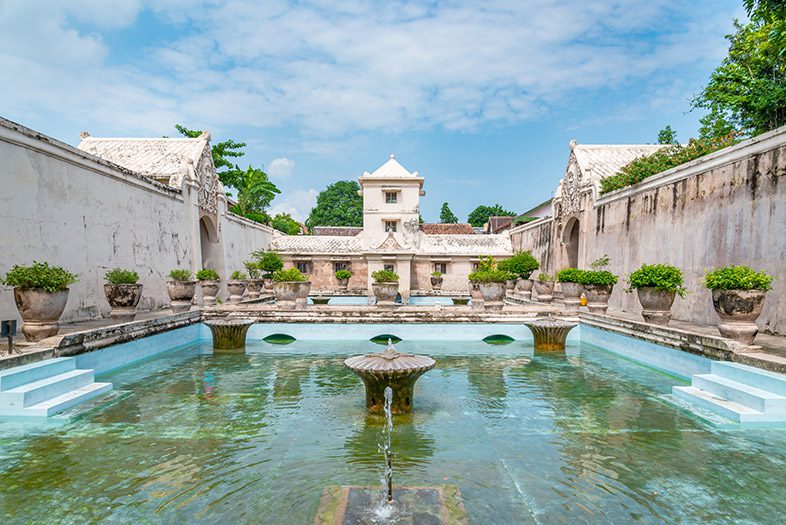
(255, 192)
(667, 136)
(446, 216)
(338, 205)
(284, 222)
(223, 153)
(480, 215)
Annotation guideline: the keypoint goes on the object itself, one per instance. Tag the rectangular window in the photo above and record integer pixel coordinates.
(390, 267)
(303, 266)
(441, 267)
(391, 197)
(340, 266)
(474, 266)
(390, 226)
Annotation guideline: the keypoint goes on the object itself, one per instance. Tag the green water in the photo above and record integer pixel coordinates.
(255, 438)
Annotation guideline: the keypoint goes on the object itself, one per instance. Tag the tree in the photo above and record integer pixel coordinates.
(446, 216)
(255, 192)
(480, 215)
(222, 152)
(667, 136)
(284, 223)
(338, 205)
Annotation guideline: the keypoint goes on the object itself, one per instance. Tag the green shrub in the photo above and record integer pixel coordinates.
(180, 275)
(600, 262)
(40, 275)
(237, 275)
(436, 274)
(490, 276)
(292, 274)
(737, 278)
(522, 264)
(660, 276)
(569, 275)
(120, 276)
(597, 277)
(504, 265)
(343, 274)
(544, 277)
(252, 267)
(385, 276)
(662, 160)
(268, 261)
(207, 274)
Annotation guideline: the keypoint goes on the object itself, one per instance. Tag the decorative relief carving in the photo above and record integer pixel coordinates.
(210, 186)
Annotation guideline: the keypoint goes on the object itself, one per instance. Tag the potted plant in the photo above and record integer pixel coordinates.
(254, 284)
(123, 291)
(523, 264)
(571, 289)
(268, 262)
(342, 276)
(544, 287)
(491, 283)
(738, 297)
(436, 280)
(656, 285)
(41, 294)
(181, 288)
(236, 285)
(385, 286)
(286, 286)
(510, 284)
(598, 285)
(208, 281)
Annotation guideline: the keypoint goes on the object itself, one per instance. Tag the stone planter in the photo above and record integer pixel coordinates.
(268, 282)
(385, 293)
(544, 290)
(343, 283)
(510, 285)
(598, 297)
(236, 290)
(209, 292)
(493, 295)
(738, 311)
(123, 298)
(40, 311)
(302, 294)
(476, 296)
(286, 293)
(655, 304)
(571, 296)
(254, 287)
(524, 288)
(436, 283)
(181, 293)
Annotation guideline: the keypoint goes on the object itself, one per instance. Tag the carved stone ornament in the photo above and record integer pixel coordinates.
(210, 186)
(571, 190)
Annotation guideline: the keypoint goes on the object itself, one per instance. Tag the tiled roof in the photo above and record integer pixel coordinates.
(316, 244)
(337, 231)
(446, 229)
(604, 160)
(498, 224)
(466, 245)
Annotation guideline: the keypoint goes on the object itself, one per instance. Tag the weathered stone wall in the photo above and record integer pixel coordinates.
(240, 237)
(536, 237)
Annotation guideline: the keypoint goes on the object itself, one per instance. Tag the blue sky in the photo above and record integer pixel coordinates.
(481, 98)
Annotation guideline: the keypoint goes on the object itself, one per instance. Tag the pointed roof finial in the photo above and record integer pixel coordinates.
(83, 135)
(392, 156)
(573, 144)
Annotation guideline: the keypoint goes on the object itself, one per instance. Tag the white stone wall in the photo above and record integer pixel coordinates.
(240, 237)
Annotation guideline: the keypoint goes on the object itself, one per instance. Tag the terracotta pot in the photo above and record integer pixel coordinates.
(385, 293)
(286, 293)
(738, 311)
(655, 304)
(343, 283)
(597, 297)
(181, 293)
(571, 296)
(123, 299)
(40, 310)
(544, 290)
(236, 289)
(524, 288)
(493, 295)
(302, 294)
(510, 285)
(254, 287)
(209, 292)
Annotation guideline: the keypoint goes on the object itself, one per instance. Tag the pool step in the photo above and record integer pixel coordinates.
(46, 388)
(741, 393)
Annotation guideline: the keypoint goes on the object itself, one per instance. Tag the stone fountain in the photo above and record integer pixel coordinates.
(550, 334)
(390, 368)
(229, 334)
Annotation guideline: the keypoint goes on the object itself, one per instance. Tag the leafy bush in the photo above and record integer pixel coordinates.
(292, 274)
(544, 277)
(522, 264)
(268, 261)
(385, 276)
(569, 275)
(504, 265)
(40, 275)
(661, 276)
(490, 276)
(600, 262)
(597, 277)
(180, 275)
(737, 278)
(252, 267)
(120, 276)
(343, 274)
(662, 160)
(237, 275)
(436, 274)
(207, 274)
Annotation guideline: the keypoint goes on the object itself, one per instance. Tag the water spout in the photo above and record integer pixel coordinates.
(386, 444)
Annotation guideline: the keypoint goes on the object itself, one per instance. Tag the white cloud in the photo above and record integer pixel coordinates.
(297, 203)
(280, 168)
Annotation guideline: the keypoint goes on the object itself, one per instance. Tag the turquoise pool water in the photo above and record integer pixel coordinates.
(580, 438)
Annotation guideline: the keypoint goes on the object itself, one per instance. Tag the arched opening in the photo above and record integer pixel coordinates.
(570, 239)
(208, 240)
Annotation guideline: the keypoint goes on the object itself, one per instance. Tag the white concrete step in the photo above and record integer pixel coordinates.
(724, 407)
(763, 379)
(43, 389)
(62, 402)
(20, 375)
(744, 394)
